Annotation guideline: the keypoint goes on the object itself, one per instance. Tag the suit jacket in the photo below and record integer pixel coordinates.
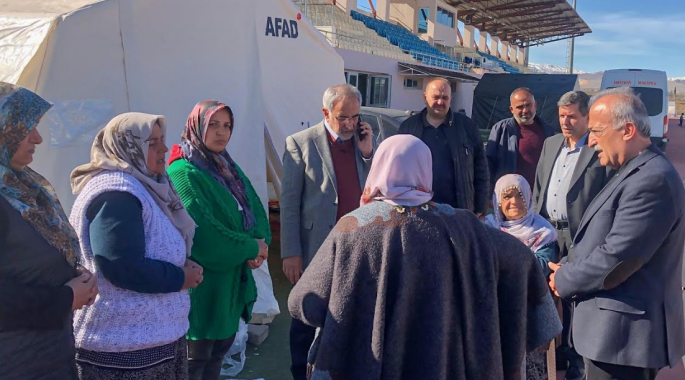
(589, 177)
(470, 169)
(309, 197)
(625, 279)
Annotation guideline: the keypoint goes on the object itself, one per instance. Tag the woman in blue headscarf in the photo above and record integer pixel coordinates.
(41, 283)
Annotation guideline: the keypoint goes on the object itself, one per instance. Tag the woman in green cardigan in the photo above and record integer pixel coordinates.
(231, 238)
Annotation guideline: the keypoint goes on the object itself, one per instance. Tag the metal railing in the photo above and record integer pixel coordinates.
(323, 15)
(346, 41)
(439, 62)
(318, 13)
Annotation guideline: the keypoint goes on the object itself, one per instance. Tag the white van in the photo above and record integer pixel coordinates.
(652, 87)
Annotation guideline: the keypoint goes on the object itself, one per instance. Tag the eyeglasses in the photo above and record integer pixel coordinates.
(345, 119)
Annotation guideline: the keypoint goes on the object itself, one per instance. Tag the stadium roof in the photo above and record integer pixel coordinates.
(522, 22)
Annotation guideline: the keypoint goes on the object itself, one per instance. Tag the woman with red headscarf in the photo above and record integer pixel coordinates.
(231, 238)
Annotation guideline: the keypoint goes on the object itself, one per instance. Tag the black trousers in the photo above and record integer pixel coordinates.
(301, 339)
(206, 356)
(604, 371)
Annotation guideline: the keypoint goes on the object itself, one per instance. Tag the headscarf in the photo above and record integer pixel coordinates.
(27, 191)
(220, 165)
(532, 229)
(401, 173)
(123, 146)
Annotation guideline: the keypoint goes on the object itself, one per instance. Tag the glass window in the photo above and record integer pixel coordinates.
(411, 83)
(423, 20)
(445, 17)
(379, 91)
(653, 98)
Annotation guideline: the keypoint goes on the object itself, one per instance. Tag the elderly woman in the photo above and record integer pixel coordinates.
(404, 288)
(231, 238)
(514, 215)
(135, 236)
(40, 281)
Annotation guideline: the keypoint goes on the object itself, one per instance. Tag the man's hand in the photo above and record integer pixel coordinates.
(552, 284)
(292, 267)
(366, 146)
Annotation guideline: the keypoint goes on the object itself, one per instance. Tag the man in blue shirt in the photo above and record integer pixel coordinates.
(568, 178)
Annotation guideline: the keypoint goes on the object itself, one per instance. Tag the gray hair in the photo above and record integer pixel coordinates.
(576, 97)
(627, 109)
(334, 93)
(522, 89)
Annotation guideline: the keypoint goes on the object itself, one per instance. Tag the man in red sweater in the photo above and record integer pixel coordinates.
(515, 144)
(324, 171)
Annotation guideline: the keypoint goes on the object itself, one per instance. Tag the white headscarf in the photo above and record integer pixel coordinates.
(532, 229)
(123, 146)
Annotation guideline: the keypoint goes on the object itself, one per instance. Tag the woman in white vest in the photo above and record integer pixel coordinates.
(135, 236)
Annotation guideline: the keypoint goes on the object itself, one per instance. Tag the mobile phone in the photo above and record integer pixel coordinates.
(359, 129)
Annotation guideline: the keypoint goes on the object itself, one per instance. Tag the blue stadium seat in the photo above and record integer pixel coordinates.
(409, 42)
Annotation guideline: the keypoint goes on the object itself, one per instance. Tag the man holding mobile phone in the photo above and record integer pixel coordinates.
(324, 171)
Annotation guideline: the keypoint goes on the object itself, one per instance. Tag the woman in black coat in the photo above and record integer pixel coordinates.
(41, 283)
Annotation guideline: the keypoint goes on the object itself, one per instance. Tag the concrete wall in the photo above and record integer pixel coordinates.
(432, 10)
(400, 98)
(445, 35)
(403, 13)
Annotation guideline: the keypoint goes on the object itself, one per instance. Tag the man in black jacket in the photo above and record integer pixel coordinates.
(515, 144)
(460, 171)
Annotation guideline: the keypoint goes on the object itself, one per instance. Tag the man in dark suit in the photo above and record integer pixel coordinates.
(624, 277)
(568, 178)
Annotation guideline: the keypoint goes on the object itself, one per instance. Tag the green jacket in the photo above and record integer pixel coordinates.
(222, 247)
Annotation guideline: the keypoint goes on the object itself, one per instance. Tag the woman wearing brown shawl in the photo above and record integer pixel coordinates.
(40, 281)
(404, 288)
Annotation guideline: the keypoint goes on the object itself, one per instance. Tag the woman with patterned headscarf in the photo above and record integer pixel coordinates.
(41, 283)
(231, 238)
(135, 237)
(513, 214)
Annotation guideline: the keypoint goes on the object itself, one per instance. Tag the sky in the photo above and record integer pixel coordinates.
(645, 34)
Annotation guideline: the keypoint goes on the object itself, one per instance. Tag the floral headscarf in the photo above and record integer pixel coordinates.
(27, 191)
(401, 173)
(532, 230)
(123, 146)
(220, 165)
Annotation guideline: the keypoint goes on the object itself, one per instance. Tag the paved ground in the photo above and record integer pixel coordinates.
(271, 360)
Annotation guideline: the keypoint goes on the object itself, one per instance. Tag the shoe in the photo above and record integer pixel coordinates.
(574, 373)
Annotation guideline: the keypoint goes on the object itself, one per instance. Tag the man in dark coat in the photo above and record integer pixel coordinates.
(624, 277)
(460, 172)
(515, 144)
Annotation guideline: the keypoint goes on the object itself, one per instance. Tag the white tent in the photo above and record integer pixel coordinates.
(96, 59)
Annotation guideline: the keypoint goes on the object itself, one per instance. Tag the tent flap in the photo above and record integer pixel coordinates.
(20, 38)
(491, 97)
